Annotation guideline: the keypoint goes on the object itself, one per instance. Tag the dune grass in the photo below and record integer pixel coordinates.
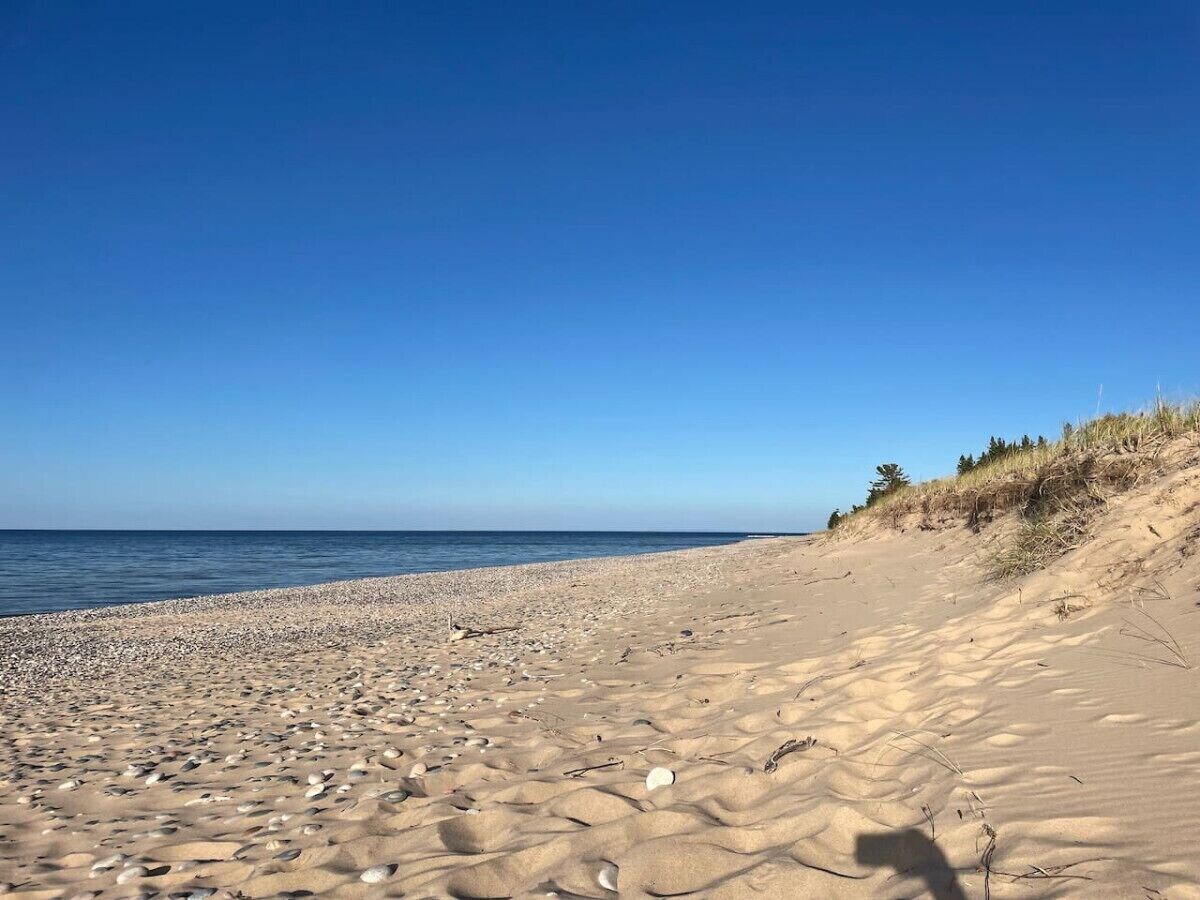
(1056, 487)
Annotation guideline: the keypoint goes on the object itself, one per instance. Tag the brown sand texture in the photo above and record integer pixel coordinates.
(836, 718)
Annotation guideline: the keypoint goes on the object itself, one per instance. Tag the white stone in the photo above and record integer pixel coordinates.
(659, 777)
(608, 877)
(132, 873)
(376, 874)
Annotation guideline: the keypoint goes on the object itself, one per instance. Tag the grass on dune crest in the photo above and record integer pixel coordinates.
(1057, 487)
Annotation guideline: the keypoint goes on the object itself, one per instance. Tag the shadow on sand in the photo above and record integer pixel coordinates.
(911, 852)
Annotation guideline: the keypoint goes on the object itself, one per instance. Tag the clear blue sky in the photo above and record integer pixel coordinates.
(571, 265)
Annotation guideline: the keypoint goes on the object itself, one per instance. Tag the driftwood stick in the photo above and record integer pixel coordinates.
(784, 749)
(575, 773)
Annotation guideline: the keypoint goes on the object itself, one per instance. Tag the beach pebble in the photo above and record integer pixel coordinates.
(69, 785)
(376, 874)
(418, 770)
(315, 791)
(608, 876)
(395, 796)
(287, 855)
(659, 777)
(131, 873)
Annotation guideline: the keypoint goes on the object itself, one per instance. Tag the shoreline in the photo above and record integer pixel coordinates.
(482, 552)
(233, 596)
(38, 640)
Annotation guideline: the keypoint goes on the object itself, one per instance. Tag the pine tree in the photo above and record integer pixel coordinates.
(891, 477)
(965, 464)
(834, 518)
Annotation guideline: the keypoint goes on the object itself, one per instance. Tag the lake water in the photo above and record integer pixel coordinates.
(42, 571)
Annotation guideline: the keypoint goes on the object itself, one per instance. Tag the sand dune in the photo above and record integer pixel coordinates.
(948, 736)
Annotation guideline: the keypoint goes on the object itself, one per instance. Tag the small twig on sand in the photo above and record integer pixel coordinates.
(784, 749)
(831, 578)
(575, 773)
(549, 729)
(459, 634)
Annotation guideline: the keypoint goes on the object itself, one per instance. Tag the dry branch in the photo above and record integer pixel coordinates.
(784, 749)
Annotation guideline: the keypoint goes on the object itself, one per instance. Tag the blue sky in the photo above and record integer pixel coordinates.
(558, 265)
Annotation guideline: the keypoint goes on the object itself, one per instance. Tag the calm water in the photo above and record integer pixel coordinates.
(41, 571)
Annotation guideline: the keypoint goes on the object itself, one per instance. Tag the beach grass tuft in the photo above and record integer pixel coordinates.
(1057, 486)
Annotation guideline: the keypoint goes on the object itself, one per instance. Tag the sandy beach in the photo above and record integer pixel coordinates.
(477, 451)
(867, 716)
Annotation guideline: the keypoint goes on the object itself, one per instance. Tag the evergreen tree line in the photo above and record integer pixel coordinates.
(890, 477)
(997, 448)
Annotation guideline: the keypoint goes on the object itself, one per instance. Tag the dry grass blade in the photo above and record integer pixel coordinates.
(1037, 873)
(931, 753)
(985, 860)
(1167, 640)
(813, 682)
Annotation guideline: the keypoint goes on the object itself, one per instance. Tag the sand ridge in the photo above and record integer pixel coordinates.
(949, 736)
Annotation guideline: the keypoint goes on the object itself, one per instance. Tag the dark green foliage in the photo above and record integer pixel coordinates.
(834, 518)
(998, 448)
(891, 478)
